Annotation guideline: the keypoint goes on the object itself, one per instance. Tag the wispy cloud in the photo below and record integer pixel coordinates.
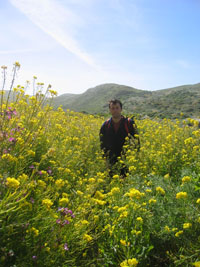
(55, 20)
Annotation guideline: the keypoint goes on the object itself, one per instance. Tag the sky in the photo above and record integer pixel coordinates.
(79, 44)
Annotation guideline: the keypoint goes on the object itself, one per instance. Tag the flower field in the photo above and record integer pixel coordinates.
(60, 207)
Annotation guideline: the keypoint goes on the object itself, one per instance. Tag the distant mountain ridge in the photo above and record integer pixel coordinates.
(162, 103)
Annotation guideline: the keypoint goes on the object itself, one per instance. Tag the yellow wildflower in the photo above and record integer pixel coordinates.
(84, 222)
(34, 231)
(63, 201)
(196, 264)
(179, 233)
(186, 179)
(12, 182)
(47, 202)
(114, 190)
(160, 190)
(79, 193)
(87, 237)
(139, 219)
(187, 225)
(41, 183)
(123, 242)
(60, 183)
(181, 195)
(129, 263)
(152, 200)
(134, 193)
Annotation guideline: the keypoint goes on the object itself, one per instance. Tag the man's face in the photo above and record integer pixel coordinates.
(115, 110)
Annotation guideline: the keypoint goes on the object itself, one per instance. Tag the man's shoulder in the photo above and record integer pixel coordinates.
(106, 122)
(128, 120)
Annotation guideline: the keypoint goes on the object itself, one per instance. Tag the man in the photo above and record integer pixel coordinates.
(113, 133)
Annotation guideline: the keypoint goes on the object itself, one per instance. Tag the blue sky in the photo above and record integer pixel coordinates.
(78, 44)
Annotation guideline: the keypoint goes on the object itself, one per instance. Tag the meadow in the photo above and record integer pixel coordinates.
(60, 207)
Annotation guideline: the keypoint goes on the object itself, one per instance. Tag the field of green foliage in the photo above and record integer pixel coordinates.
(60, 207)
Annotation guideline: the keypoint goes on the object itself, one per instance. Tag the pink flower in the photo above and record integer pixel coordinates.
(66, 247)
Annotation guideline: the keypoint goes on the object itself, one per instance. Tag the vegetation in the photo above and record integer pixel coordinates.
(166, 103)
(60, 207)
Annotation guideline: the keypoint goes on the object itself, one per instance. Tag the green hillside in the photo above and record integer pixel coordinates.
(161, 103)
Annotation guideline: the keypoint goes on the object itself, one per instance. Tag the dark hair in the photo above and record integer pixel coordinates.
(114, 102)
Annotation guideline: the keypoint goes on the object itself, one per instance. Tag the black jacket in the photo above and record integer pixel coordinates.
(111, 141)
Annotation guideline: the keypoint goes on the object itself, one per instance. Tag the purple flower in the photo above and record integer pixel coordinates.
(65, 222)
(66, 247)
(58, 221)
(12, 139)
(40, 172)
(49, 171)
(60, 209)
(34, 257)
(32, 200)
(32, 167)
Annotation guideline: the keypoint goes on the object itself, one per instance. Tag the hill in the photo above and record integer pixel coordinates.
(167, 103)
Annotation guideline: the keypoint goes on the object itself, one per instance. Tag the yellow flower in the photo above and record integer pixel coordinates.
(186, 179)
(47, 202)
(123, 242)
(160, 190)
(132, 168)
(91, 180)
(114, 190)
(115, 176)
(152, 200)
(139, 219)
(187, 225)
(60, 183)
(34, 231)
(148, 190)
(196, 264)
(167, 228)
(134, 193)
(84, 222)
(181, 195)
(198, 201)
(179, 233)
(12, 182)
(23, 177)
(99, 195)
(124, 214)
(166, 176)
(121, 209)
(79, 193)
(41, 183)
(100, 202)
(129, 263)
(87, 237)
(63, 201)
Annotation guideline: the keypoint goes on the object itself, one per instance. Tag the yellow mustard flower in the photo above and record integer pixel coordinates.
(160, 190)
(187, 225)
(129, 263)
(12, 182)
(87, 237)
(181, 195)
(179, 233)
(186, 179)
(47, 202)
